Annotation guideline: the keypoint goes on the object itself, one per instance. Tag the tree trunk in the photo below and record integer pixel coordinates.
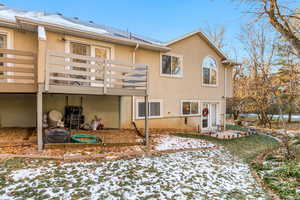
(290, 117)
(236, 115)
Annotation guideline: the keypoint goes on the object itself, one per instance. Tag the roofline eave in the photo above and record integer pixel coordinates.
(85, 34)
(218, 50)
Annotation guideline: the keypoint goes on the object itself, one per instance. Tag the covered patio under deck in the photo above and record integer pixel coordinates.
(72, 74)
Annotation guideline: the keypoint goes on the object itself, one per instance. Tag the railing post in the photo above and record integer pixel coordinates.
(105, 77)
(47, 74)
(147, 113)
(40, 118)
(146, 123)
(35, 73)
(147, 80)
(41, 66)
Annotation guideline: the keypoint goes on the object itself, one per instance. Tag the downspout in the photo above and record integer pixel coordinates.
(225, 96)
(133, 98)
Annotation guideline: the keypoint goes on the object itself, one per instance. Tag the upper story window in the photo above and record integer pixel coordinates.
(3, 44)
(171, 65)
(209, 71)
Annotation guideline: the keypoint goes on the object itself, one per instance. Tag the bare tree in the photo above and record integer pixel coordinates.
(216, 34)
(288, 76)
(258, 86)
(282, 16)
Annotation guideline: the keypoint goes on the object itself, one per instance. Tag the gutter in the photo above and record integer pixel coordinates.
(133, 97)
(225, 96)
(91, 35)
(230, 63)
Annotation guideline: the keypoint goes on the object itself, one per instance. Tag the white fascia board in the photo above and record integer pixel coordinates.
(58, 28)
(203, 35)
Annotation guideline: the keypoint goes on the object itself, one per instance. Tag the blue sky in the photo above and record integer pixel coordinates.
(160, 19)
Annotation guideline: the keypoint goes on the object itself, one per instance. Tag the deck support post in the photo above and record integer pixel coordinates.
(146, 123)
(40, 119)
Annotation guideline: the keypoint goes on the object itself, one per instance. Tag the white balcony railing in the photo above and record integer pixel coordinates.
(77, 71)
(17, 71)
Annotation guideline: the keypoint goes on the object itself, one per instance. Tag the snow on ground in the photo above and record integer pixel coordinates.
(206, 174)
(169, 142)
(25, 173)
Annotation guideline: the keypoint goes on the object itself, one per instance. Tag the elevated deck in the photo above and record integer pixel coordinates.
(76, 74)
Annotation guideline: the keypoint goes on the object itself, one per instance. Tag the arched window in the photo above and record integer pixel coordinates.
(209, 71)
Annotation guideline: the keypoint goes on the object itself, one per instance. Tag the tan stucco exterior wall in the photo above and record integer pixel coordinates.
(26, 41)
(170, 90)
(106, 107)
(21, 40)
(17, 110)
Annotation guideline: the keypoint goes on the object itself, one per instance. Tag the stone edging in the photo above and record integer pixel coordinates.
(254, 173)
(118, 156)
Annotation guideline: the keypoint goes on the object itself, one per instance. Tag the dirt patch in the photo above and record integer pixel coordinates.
(13, 135)
(103, 152)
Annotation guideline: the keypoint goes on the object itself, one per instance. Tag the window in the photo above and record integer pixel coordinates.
(100, 52)
(155, 108)
(209, 70)
(6, 42)
(171, 65)
(190, 108)
(83, 50)
(3, 44)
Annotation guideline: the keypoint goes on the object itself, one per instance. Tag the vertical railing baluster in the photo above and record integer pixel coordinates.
(147, 80)
(104, 77)
(47, 74)
(110, 71)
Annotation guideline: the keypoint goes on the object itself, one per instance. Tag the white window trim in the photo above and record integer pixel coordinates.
(191, 101)
(150, 101)
(92, 44)
(217, 71)
(10, 38)
(171, 75)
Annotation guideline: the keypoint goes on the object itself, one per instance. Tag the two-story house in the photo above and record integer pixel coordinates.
(50, 60)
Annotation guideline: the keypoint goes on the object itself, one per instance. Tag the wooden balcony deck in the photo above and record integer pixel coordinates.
(76, 74)
(17, 71)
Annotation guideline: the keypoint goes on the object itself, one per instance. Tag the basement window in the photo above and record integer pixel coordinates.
(155, 109)
(171, 65)
(189, 108)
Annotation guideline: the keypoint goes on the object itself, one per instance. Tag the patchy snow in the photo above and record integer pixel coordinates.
(170, 142)
(21, 174)
(207, 174)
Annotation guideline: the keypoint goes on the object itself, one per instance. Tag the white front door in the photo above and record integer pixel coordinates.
(209, 116)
